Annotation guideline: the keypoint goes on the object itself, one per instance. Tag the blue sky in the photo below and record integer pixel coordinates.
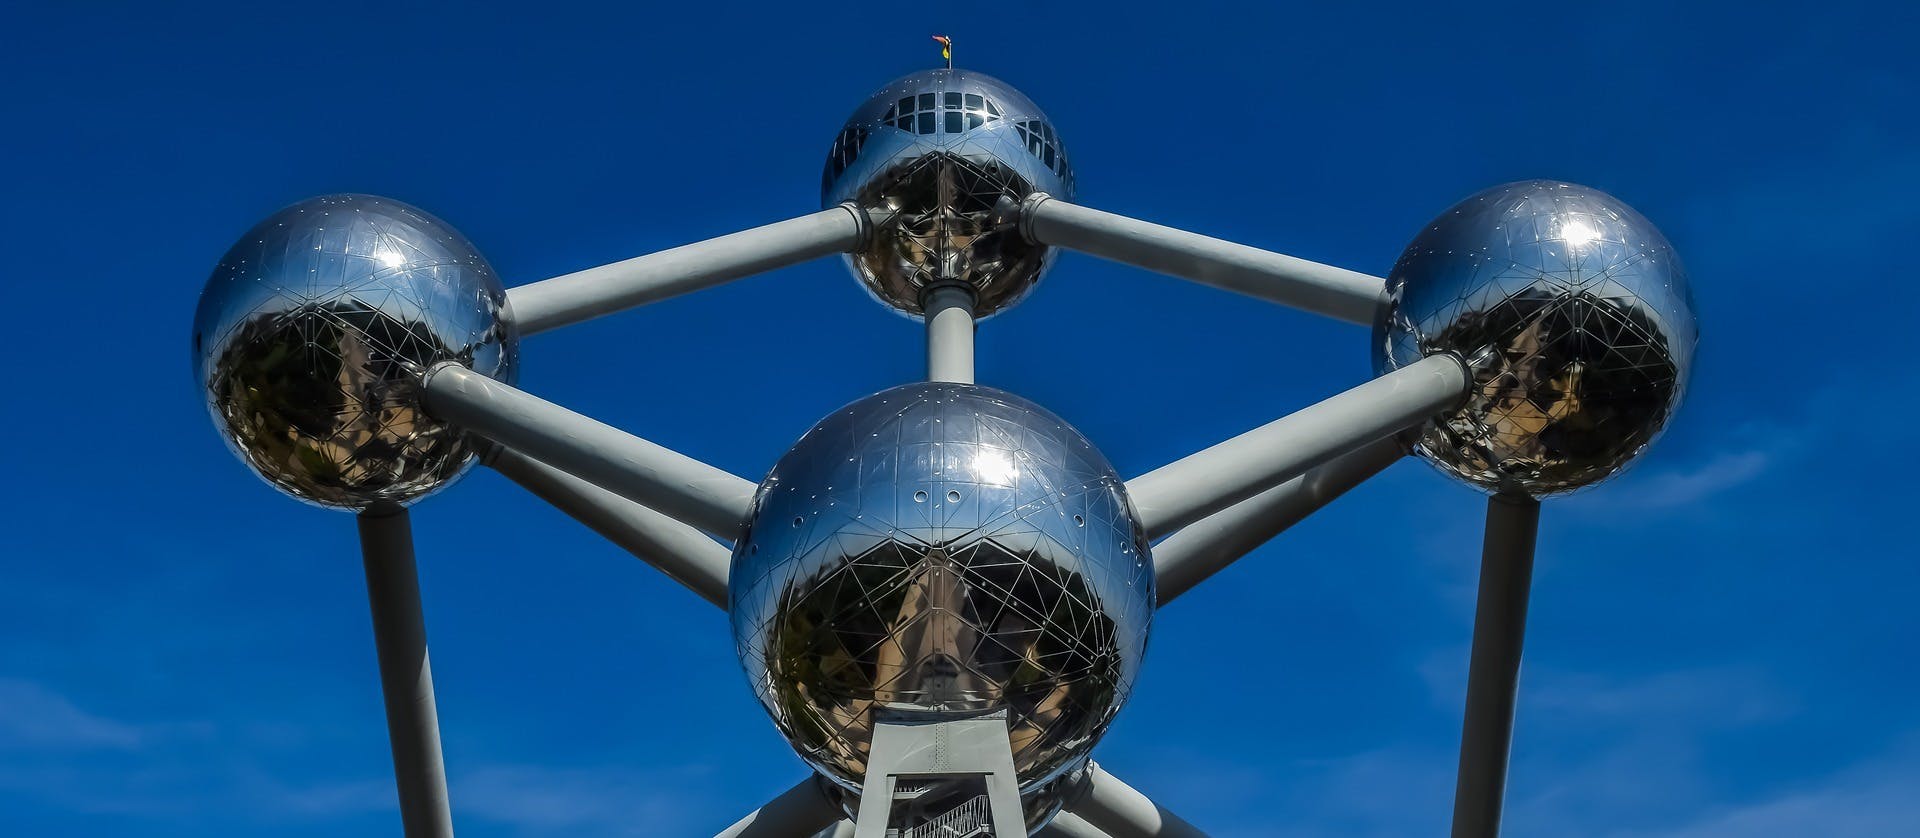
(1721, 642)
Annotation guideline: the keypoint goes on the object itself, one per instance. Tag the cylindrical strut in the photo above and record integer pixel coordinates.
(676, 549)
(798, 812)
(1493, 675)
(1120, 811)
(584, 295)
(1310, 286)
(1186, 490)
(1209, 545)
(666, 480)
(950, 334)
(406, 677)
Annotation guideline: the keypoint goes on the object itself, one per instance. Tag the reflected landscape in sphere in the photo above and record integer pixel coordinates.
(946, 548)
(313, 333)
(942, 160)
(1573, 313)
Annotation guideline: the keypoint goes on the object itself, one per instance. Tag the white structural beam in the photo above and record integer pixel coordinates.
(1207, 546)
(594, 292)
(671, 482)
(1070, 825)
(1181, 493)
(799, 812)
(406, 674)
(1310, 286)
(950, 334)
(1120, 811)
(683, 553)
(1493, 674)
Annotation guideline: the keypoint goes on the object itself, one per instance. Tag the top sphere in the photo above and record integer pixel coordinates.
(947, 549)
(941, 160)
(1576, 318)
(313, 333)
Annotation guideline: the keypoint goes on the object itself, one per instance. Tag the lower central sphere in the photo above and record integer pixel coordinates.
(942, 547)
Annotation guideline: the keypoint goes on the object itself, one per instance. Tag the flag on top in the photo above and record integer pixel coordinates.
(946, 49)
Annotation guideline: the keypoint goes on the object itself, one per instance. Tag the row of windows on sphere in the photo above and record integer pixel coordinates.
(1036, 134)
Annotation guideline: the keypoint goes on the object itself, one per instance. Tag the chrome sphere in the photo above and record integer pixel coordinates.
(1575, 316)
(312, 335)
(945, 548)
(941, 160)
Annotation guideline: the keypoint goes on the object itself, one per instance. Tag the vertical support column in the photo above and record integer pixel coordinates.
(1493, 675)
(406, 677)
(934, 747)
(950, 334)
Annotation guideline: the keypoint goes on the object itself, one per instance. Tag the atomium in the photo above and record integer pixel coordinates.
(312, 335)
(949, 548)
(942, 593)
(941, 160)
(1576, 318)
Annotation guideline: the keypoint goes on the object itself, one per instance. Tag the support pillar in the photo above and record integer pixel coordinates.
(406, 677)
(914, 754)
(1493, 675)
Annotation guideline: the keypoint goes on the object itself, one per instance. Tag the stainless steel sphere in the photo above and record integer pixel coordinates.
(946, 548)
(1575, 316)
(312, 335)
(941, 159)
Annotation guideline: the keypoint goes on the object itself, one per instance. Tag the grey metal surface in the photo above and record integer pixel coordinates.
(950, 334)
(941, 160)
(1493, 676)
(595, 292)
(911, 752)
(406, 675)
(313, 332)
(1576, 317)
(1069, 825)
(671, 482)
(1120, 811)
(1180, 493)
(799, 812)
(946, 548)
(1207, 546)
(678, 550)
(1309, 286)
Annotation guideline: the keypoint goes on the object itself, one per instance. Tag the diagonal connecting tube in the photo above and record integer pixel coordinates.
(683, 553)
(1205, 547)
(1180, 493)
(671, 482)
(1310, 286)
(1120, 811)
(594, 292)
(798, 812)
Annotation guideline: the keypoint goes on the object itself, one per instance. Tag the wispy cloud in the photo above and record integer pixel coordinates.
(589, 801)
(1873, 799)
(33, 716)
(64, 756)
(1676, 487)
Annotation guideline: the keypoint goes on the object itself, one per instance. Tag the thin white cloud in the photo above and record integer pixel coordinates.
(1874, 799)
(35, 717)
(1681, 487)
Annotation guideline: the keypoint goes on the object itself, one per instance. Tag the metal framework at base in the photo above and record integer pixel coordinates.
(918, 756)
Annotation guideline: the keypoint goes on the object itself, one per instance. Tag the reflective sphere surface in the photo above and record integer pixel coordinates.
(942, 547)
(1575, 316)
(312, 335)
(942, 160)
